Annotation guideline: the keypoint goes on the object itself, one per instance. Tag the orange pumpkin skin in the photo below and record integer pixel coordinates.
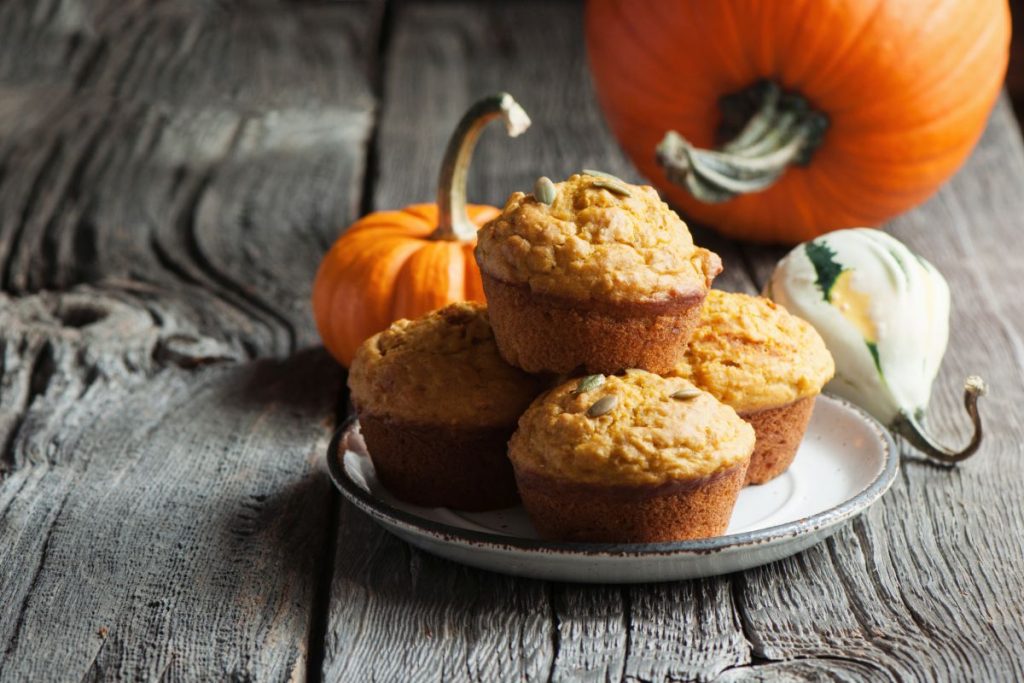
(386, 267)
(907, 86)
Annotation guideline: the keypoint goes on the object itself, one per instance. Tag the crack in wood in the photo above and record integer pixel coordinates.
(856, 601)
(556, 630)
(43, 368)
(747, 629)
(627, 628)
(376, 70)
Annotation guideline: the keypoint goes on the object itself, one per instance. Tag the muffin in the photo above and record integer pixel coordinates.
(437, 405)
(634, 458)
(602, 277)
(769, 365)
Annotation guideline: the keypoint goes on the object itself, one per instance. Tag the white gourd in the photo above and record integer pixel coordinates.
(883, 312)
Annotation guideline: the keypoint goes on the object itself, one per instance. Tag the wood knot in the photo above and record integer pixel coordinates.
(80, 314)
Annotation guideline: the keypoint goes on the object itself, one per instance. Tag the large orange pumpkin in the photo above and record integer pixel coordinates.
(826, 114)
(402, 264)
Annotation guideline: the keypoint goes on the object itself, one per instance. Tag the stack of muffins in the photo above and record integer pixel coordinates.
(607, 386)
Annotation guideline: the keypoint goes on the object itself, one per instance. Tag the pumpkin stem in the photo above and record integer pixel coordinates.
(776, 130)
(910, 427)
(453, 222)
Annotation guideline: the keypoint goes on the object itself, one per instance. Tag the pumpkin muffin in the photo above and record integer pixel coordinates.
(437, 405)
(753, 355)
(592, 273)
(635, 458)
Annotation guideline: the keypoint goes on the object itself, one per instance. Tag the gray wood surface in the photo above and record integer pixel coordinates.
(168, 187)
(169, 177)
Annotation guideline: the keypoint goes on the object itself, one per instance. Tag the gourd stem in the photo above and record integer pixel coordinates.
(784, 131)
(910, 428)
(453, 222)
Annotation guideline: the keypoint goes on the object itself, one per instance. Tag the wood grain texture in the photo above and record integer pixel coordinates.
(399, 614)
(157, 524)
(183, 137)
(167, 187)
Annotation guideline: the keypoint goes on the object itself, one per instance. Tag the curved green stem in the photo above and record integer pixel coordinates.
(453, 221)
(783, 131)
(910, 428)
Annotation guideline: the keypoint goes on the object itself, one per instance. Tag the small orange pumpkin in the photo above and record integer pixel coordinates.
(827, 115)
(402, 264)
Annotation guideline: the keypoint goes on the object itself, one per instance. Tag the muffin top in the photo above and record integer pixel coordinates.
(751, 353)
(595, 243)
(647, 436)
(443, 368)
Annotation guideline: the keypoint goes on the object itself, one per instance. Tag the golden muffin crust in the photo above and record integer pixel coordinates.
(752, 354)
(647, 438)
(595, 244)
(442, 369)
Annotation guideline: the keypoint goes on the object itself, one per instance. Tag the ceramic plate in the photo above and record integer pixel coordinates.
(845, 463)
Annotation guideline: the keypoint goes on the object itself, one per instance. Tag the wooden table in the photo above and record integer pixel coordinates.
(169, 178)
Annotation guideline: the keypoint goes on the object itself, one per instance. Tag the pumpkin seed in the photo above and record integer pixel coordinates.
(602, 174)
(615, 187)
(545, 191)
(603, 406)
(687, 393)
(587, 383)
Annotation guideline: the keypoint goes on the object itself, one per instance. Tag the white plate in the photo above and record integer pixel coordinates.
(845, 463)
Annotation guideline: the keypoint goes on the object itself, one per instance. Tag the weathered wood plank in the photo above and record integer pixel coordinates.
(399, 614)
(162, 509)
(162, 523)
(196, 114)
(381, 623)
(684, 631)
(592, 633)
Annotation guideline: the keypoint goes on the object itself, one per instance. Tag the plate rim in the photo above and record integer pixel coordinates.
(447, 533)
